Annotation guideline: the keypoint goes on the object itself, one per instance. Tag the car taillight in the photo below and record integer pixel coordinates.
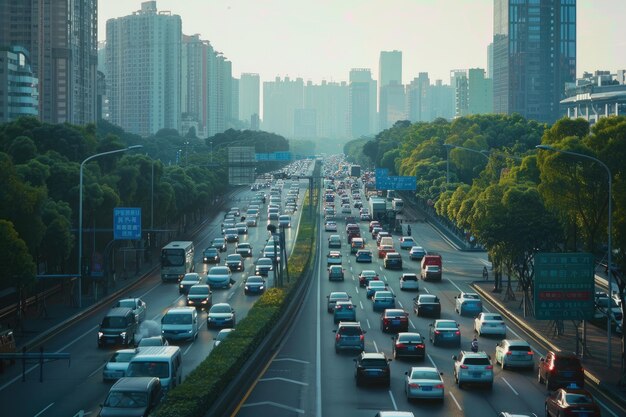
(439, 386)
(420, 346)
(437, 332)
(337, 337)
(361, 337)
(400, 346)
(457, 333)
(463, 366)
(386, 321)
(530, 352)
(349, 307)
(509, 353)
(338, 307)
(414, 385)
(489, 367)
(551, 367)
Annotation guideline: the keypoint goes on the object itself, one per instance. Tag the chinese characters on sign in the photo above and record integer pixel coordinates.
(127, 223)
(564, 286)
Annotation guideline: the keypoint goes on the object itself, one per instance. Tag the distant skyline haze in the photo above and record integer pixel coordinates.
(323, 39)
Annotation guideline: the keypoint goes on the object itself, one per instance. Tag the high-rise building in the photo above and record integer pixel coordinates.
(418, 98)
(281, 98)
(19, 97)
(442, 101)
(330, 102)
(60, 37)
(392, 100)
(362, 103)
(249, 98)
(143, 61)
(490, 60)
(534, 56)
(194, 84)
(473, 92)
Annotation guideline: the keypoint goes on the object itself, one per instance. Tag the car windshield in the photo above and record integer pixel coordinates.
(410, 338)
(427, 299)
(122, 357)
(218, 270)
(338, 296)
(374, 362)
(446, 325)
(190, 278)
(568, 362)
(254, 280)
(382, 295)
(126, 303)
(198, 290)
(170, 318)
(494, 317)
(377, 284)
(220, 309)
(114, 322)
(218, 241)
(350, 330)
(471, 297)
(264, 262)
(571, 398)
(410, 277)
(519, 348)
(210, 252)
(234, 257)
(476, 361)
(126, 399)
(149, 368)
(222, 335)
(424, 375)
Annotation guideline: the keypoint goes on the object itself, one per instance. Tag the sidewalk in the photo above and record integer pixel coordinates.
(594, 357)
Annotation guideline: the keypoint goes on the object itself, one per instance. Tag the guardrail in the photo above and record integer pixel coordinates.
(11, 309)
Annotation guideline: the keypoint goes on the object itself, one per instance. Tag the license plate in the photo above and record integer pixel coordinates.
(476, 374)
(411, 348)
(395, 322)
(568, 374)
(374, 372)
(427, 388)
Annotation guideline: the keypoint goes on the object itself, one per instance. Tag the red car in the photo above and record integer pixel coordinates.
(374, 223)
(571, 402)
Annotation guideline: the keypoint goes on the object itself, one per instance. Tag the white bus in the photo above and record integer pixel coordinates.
(176, 260)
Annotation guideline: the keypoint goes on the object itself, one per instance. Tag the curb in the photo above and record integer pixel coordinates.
(621, 402)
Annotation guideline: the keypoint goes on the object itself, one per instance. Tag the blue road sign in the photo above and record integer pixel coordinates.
(261, 156)
(282, 156)
(127, 223)
(396, 183)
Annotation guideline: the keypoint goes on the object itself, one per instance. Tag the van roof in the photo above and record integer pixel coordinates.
(180, 310)
(135, 383)
(154, 352)
(118, 312)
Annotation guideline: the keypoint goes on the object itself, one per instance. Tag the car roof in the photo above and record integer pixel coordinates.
(180, 310)
(470, 354)
(135, 383)
(373, 355)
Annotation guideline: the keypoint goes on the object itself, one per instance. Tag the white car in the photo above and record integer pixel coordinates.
(514, 353)
(490, 323)
(468, 303)
(221, 336)
(409, 281)
(116, 367)
(424, 382)
(136, 304)
(345, 209)
(330, 226)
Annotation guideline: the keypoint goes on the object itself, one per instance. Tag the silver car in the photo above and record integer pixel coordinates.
(137, 305)
(219, 277)
(334, 297)
(514, 353)
(116, 367)
(424, 382)
(470, 367)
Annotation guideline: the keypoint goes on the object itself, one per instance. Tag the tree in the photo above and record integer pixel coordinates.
(18, 267)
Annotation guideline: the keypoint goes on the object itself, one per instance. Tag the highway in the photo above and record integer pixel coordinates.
(78, 389)
(307, 378)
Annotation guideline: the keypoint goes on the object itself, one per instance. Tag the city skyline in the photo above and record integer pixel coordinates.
(341, 34)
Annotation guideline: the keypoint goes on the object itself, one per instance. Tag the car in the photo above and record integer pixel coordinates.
(231, 235)
(468, 303)
(221, 315)
(407, 242)
(334, 241)
(408, 345)
(373, 286)
(244, 249)
(235, 262)
(335, 296)
(571, 401)
(116, 367)
(242, 228)
(251, 221)
(344, 311)
(374, 223)
(333, 258)
(234, 211)
(200, 296)
(284, 220)
(372, 367)
(473, 367)
(365, 217)
(330, 226)
(424, 382)
(384, 249)
(349, 336)
(514, 353)
(364, 255)
(382, 300)
(272, 251)
(358, 204)
(263, 266)
(220, 244)
(394, 320)
(602, 309)
(431, 272)
(254, 284)
(427, 305)
(346, 209)
(356, 244)
(211, 256)
(219, 277)
(393, 260)
(380, 235)
(132, 396)
(366, 276)
(153, 341)
(137, 305)
(189, 279)
(221, 335)
(489, 324)
(560, 369)
(228, 224)
(416, 253)
(180, 323)
(335, 273)
(409, 281)
(444, 331)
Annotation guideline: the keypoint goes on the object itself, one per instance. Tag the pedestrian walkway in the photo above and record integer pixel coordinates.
(591, 348)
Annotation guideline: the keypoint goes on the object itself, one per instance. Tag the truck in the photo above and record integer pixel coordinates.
(378, 208)
(397, 205)
(355, 171)
(432, 267)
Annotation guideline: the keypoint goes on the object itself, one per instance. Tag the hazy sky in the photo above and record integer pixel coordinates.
(323, 39)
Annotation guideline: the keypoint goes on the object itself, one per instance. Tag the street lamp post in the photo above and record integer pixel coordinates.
(80, 216)
(609, 243)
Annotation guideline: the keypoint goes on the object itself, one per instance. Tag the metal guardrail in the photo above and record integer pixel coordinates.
(11, 309)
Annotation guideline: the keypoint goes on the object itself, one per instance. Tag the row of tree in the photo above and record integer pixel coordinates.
(516, 200)
(177, 178)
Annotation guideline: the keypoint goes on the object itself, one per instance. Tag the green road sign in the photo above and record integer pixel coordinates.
(564, 286)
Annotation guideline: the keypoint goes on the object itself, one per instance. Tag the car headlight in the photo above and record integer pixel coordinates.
(206, 259)
(181, 285)
(246, 287)
(261, 287)
(123, 335)
(100, 334)
(205, 301)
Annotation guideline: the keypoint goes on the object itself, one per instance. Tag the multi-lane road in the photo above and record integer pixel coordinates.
(78, 389)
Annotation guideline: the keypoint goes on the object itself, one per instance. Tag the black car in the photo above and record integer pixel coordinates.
(427, 305)
(372, 368)
(394, 320)
(190, 279)
(211, 256)
(408, 345)
(220, 244)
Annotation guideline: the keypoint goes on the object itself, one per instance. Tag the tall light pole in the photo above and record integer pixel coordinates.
(449, 145)
(80, 216)
(609, 243)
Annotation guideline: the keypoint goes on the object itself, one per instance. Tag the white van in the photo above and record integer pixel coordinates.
(180, 323)
(387, 240)
(163, 362)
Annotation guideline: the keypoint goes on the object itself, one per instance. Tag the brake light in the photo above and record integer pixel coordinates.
(420, 346)
(457, 333)
(530, 352)
(337, 337)
(489, 367)
(349, 307)
(361, 337)
(463, 366)
(437, 332)
(509, 353)
(400, 346)
(337, 307)
(414, 385)
(439, 386)
(386, 321)
(551, 367)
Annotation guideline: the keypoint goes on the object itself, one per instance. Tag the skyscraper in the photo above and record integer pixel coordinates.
(19, 97)
(281, 98)
(392, 101)
(249, 97)
(60, 36)
(473, 92)
(144, 68)
(330, 102)
(362, 102)
(534, 55)
(419, 99)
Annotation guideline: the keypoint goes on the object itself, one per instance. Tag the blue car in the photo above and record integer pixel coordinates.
(375, 286)
(364, 255)
(383, 300)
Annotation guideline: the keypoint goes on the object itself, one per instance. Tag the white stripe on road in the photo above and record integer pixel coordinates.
(455, 401)
(412, 325)
(426, 289)
(510, 386)
(375, 346)
(368, 324)
(361, 302)
(393, 401)
(431, 360)
(42, 411)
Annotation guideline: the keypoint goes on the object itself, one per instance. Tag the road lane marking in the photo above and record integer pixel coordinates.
(375, 346)
(393, 401)
(291, 360)
(510, 386)
(318, 357)
(368, 323)
(356, 289)
(431, 360)
(412, 325)
(96, 371)
(293, 381)
(188, 347)
(400, 304)
(273, 404)
(455, 286)
(426, 289)
(455, 401)
(361, 302)
(42, 411)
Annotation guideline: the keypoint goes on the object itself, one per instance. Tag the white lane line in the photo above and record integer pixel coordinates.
(375, 346)
(426, 289)
(455, 286)
(291, 360)
(188, 348)
(431, 360)
(412, 325)
(606, 408)
(356, 289)
(455, 401)
(42, 411)
(393, 401)
(277, 405)
(510, 386)
(385, 278)
(143, 296)
(400, 304)
(285, 380)
(96, 371)
(368, 324)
